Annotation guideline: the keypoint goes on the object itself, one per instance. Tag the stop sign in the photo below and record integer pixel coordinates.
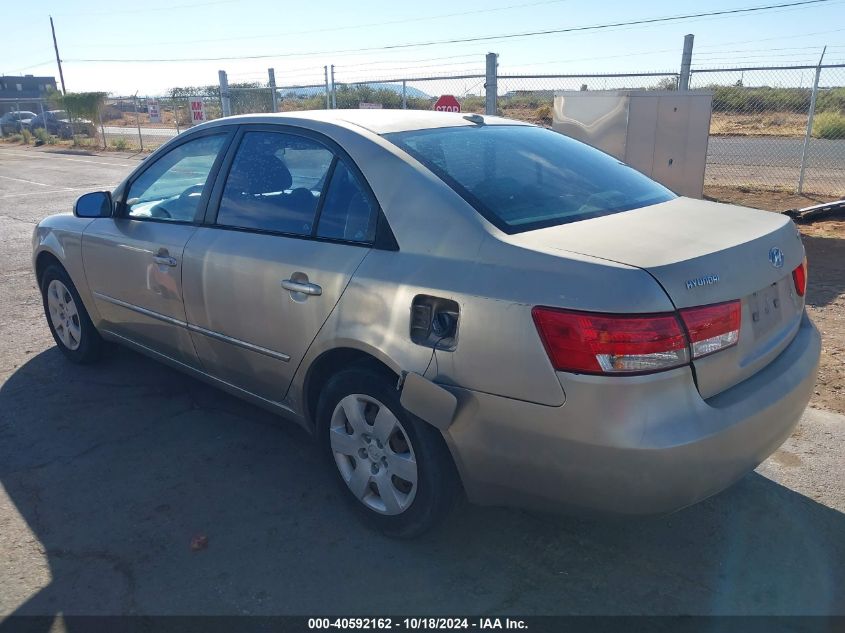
(447, 103)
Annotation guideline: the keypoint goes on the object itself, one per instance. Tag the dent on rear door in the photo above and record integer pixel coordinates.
(248, 330)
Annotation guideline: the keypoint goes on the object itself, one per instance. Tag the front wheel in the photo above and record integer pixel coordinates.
(69, 322)
(393, 467)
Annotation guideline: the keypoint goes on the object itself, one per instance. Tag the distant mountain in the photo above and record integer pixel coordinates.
(410, 91)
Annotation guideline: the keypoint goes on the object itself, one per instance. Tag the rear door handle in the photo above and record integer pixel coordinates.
(164, 260)
(304, 287)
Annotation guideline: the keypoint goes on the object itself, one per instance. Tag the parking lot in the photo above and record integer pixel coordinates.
(107, 474)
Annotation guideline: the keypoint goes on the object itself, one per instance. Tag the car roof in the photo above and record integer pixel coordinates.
(382, 121)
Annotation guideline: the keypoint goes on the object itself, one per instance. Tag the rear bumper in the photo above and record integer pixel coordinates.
(632, 445)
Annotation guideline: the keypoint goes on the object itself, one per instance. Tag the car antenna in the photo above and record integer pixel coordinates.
(474, 118)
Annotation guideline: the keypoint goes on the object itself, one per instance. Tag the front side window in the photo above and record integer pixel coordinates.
(523, 177)
(172, 187)
(275, 183)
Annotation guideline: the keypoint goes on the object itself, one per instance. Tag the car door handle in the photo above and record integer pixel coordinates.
(164, 260)
(304, 287)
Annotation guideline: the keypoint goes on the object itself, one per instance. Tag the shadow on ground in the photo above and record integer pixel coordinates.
(826, 281)
(115, 468)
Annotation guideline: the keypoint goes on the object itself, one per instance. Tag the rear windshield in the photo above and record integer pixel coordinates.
(522, 178)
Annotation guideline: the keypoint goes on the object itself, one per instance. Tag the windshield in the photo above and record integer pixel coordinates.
(522, 178)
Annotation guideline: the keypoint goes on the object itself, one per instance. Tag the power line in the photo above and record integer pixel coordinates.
(797, 61)
(408, 61)
(342, 28)
(469, 64)
(799, 49)
(706, 56)
(485, 38)
(758, 55)
(769, 39)
(147, 10)
(49, 61)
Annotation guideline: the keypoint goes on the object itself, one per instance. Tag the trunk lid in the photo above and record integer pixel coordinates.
(703, 253)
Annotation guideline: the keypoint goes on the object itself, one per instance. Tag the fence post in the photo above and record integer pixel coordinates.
(225, 103)
(404, 95)
(686, 62)
(137, 122)
(272, 73)
(99, 118)
(490, 84)
(805, 148)
(334, 90)
(176, 113)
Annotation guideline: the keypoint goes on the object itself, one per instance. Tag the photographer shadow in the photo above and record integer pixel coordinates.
(113, 471)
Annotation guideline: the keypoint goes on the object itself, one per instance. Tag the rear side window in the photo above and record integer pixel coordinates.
(347, 212)
(522, 178)
(275, 183)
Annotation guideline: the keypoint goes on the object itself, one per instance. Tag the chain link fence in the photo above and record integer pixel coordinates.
(144, 123)
(416, 93)
(531, 97)
(759, 134)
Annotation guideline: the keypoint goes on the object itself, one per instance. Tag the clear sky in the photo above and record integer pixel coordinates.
(302, 37)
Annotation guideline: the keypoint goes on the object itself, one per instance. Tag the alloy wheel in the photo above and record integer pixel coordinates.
(64, 315)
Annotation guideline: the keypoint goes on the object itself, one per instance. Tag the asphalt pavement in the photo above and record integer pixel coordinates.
(108, 472)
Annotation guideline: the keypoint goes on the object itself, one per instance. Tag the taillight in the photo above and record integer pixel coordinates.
(591, 343)
(799, 278)
(712, 328)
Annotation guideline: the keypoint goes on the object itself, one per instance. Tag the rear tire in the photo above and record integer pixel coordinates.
(393, 467)
(70, 325)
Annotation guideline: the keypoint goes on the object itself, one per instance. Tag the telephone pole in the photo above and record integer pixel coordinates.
(58, 59)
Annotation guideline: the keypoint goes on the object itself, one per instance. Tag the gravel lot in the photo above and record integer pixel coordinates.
(107, 473)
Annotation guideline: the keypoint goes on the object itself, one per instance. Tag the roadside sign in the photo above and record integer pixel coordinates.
(154, 111)
(370, 106)
(447, 103)
(197, 110)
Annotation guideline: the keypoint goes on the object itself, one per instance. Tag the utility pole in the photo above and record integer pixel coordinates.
(686, 62)
(490, 84)
(272, 81)
(58, 59)
(334, 90)
(225, 102)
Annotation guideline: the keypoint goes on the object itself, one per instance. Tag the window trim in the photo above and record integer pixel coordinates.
(384, 239)
(122, 211)
(318, 212)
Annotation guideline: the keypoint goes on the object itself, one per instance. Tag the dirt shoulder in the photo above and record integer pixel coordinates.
(758, 124)
(825, 245)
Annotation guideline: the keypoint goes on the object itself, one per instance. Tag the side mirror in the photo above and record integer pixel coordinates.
(94, 205)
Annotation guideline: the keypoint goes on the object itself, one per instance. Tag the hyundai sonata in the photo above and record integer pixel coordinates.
(451, 304)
